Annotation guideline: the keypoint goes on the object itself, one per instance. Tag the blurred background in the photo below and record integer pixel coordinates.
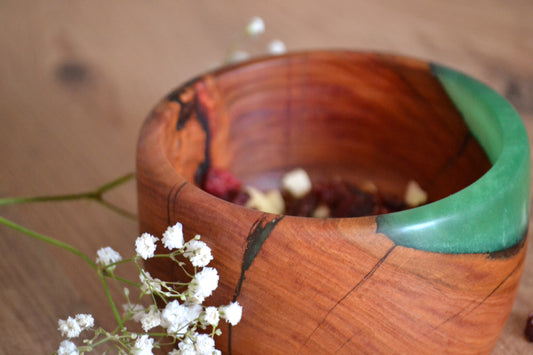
(77, 79)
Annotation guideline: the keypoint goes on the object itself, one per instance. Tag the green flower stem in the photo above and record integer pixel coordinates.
(126, 281)
(48, 240)
(110, 300)
(95, 195)
(71, 249)
(117, 182)
(116, 209)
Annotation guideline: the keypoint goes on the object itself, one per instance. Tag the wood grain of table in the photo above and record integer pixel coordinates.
(77, 79)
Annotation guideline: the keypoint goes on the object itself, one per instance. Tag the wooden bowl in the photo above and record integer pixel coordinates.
(440, 278)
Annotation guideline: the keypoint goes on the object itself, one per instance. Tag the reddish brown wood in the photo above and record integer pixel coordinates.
(335, 285)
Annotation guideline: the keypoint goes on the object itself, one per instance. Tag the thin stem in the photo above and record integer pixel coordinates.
(95, 195)
(234, 47)
(126, 281)
(117, 182)
(110, 300)
(48, 240)
(71, 249)
(116, 209)
(49, 198)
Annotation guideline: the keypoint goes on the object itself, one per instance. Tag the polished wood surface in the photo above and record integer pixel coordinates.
(77, 80)
(337, 285)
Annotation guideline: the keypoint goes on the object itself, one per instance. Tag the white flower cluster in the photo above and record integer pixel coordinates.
(254, 29)
(72, 327)
(183, 315)
(198, 252)
(67, 348)
(143, 345)
(107, 256)
(196, 344)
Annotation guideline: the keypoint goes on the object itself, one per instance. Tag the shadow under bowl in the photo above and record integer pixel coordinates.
(437, 278)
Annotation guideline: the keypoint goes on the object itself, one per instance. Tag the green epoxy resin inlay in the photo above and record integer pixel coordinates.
(491, 214)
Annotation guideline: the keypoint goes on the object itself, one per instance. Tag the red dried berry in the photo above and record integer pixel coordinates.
(528, 332)
(221, 183)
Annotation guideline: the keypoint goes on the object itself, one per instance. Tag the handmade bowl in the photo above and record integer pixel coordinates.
(439, 278)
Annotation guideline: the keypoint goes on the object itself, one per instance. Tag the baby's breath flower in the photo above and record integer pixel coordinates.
(149, 285)
(204, 344)
(210, 316)
(173, 237)
(106, 256)
(204, 283)
(69, 327)
(176, 317)
(143, 345)
(276, 47)
(85, 321)
(255, 27)
(136, 311)
(67, 348)
(186, 347)
(238, 56)
(232, 313)
(198, 253)
(145, 245)
(151, 319)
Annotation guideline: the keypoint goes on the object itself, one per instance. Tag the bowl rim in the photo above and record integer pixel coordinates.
(490, 215)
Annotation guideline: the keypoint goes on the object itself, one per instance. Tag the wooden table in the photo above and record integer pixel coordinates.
(77, 79)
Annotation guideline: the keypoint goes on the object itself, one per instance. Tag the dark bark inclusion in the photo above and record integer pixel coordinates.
(259, 233)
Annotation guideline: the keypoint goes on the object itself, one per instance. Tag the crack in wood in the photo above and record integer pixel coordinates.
(517, 267)
(352, 290)
(173, 199)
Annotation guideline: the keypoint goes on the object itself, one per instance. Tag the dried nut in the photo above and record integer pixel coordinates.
(414, 195)
(296, 182)
(321, 211)
(270, 202)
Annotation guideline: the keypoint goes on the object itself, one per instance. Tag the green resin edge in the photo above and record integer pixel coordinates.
(491, 214)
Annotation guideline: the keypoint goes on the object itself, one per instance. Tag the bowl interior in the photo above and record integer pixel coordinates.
(357, 117)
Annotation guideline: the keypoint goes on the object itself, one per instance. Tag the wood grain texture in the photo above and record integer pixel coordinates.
(78, 79)
(313, 286)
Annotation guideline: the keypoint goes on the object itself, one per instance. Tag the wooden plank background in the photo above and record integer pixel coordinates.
(77, 79)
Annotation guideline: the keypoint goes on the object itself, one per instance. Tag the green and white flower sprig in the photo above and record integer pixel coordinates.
(182, 319)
